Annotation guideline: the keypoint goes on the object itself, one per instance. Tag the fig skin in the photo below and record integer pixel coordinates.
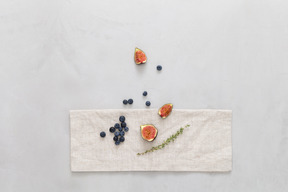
(163, 116)
(141, 129)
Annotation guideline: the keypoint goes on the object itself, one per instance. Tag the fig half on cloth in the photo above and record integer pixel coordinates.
(148, 132)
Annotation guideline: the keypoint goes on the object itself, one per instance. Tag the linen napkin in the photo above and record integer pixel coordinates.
(205, 146)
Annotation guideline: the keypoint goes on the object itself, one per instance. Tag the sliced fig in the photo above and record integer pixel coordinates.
(165, 110)
(148, 132)
(139, 56)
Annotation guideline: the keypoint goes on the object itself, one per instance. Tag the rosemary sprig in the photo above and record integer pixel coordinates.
(166, 142)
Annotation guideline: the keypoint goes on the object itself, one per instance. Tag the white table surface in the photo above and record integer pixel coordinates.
(59, 55)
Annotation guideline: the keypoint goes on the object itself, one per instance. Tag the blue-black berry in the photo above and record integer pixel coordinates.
(159, 67)
(122, 133)
(115, 138)
(148, 103)
(117, 142)
(122, 139)
(116, 133)
(130, 101)
(122, 118)
(126, 129)
(120, 128)
(125, 102)
(145, 93)
(102, 134)
(112, 129)
(123, 124)
(117, 125)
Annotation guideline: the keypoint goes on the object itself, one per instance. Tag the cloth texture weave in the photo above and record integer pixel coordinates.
(205, 146)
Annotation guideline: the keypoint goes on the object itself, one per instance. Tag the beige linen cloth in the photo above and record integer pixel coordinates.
(205, 146)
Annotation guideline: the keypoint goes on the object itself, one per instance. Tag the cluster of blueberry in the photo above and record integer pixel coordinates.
(129, 101)
(148, 103)
(119, 134)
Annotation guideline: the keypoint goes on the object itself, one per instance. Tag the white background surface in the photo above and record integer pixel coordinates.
(59, 55)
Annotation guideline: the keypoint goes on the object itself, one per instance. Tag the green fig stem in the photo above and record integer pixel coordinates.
(166, 142)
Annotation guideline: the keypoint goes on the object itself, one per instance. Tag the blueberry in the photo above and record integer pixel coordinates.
(159, 67)
(117, 142)
(117, 125)
(122, 133)
(115, 138)
(116, 133)
(145, 93)
(125, 102)
(112, 129)
(120, 128)
(148, 103)
(102, 134)
(123, 124)
(122, 139)
(122, 118)
(130, 101)
(126, 129)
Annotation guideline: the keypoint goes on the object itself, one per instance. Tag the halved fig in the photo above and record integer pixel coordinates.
(148, 132)
(139, 56)
(165, 110)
